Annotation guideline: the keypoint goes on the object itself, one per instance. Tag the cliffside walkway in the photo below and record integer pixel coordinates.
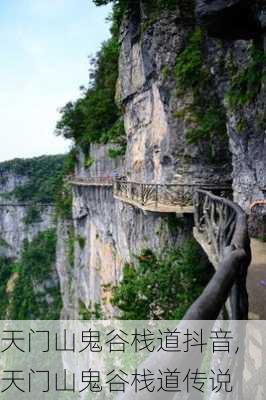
(222, 231)
(256, 282)
(159, 198)
(93, 181)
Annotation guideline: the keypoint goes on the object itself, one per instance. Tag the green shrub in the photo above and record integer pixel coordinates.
(37, 265)
(162, 287)
(64, 197)
(189, 64)
(206, 113)
(246, 83)
(94, 117)
(43, 175)
(81, 241)
(5, 274)
(91, 313)
(33, 215)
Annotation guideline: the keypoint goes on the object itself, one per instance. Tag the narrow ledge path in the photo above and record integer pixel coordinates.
(256, 281)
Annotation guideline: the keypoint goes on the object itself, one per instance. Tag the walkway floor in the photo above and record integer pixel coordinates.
(257, 281)
(159, 208)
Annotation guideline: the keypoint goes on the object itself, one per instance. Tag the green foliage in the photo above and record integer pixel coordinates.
(81, 241)
(125, 4)
(206, 113)
(63, 198)
(213, 121)
(116, 152)
(94, 117)
(89, 161)
(92, 313)
(246, 83)
(35, 268)
(71, 246)
(5, 273)
(3, 243)
(175, 222)
(189, 64)
(33, 215)
(42, 174)
(262, 238)
(162, 287)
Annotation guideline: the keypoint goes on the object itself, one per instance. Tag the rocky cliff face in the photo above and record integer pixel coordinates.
(14, 229)
(241, 26)
(206, 127)
(157, 148)
(107, 234)
(20, 220)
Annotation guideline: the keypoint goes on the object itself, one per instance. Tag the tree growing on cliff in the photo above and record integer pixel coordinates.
(162, 286)
(94, 117)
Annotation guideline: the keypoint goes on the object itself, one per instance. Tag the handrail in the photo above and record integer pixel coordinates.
(258, 203)
(228, 281)
(166, 194)
(223, 225)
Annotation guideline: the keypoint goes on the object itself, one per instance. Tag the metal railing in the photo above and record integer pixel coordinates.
(223, 226)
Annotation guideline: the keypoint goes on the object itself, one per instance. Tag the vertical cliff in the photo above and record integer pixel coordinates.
(159, 113)
(192, 99)
(105, 235)
(29, 280)
(109, 233)
(237, 42)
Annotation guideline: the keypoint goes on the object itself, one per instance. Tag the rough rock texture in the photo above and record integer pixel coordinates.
(8, 183)
(65, 269)
(248, 146)
(13, 227)
(107, 234)
(157, 149)
(14, 230)
(113, 232)
(231, 19)
(246, 121)
(100, 163)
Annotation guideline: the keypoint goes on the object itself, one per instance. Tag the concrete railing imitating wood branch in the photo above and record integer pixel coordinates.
(170, 194)
(222, 230)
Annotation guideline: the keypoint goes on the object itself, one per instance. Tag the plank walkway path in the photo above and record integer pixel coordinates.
(152, 197)
(216, 221)
(256, 281)
(93, 181)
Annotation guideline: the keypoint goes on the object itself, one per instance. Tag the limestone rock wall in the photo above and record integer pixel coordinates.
(14, 230)
(240, 49)
(13, 216)
(157, 148)
(108, 232)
